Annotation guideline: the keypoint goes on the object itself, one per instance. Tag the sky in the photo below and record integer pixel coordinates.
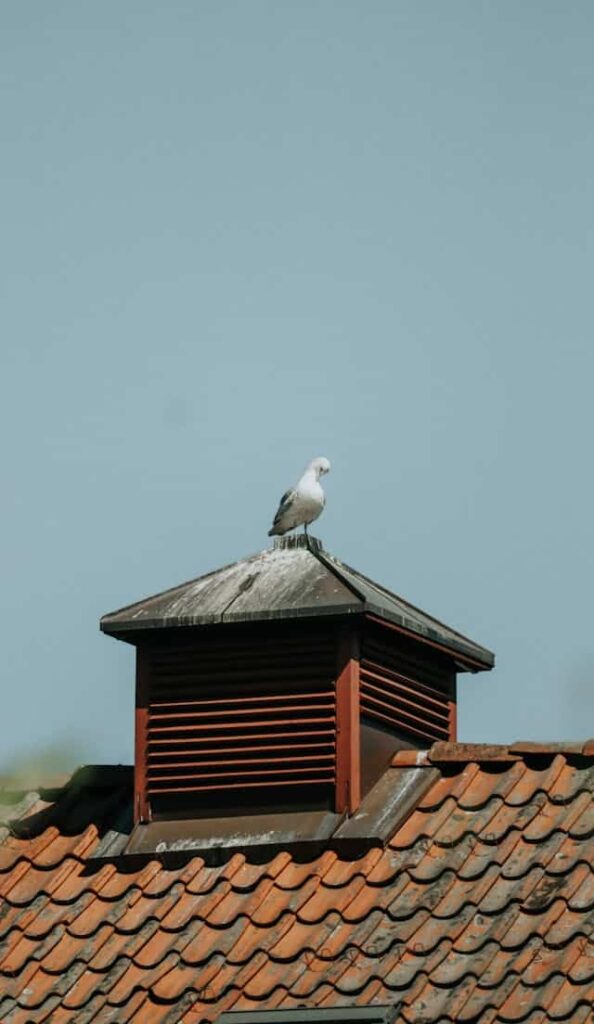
(239, 235)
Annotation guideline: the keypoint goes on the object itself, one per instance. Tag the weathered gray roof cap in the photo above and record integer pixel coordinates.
(295, 578)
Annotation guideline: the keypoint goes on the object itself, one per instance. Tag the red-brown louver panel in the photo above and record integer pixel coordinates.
(226, 719)
(400, 693)
(348, 769)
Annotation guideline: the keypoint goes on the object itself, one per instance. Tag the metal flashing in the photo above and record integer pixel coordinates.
(381, 811)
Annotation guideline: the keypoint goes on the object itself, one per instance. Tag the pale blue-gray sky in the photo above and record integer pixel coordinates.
(238, 235)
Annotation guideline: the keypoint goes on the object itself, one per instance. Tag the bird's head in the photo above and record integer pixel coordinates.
(320, 466)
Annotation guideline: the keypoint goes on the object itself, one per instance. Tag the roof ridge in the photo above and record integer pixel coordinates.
(445, 751)
(333, 565)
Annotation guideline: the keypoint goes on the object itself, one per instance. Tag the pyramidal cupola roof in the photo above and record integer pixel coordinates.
(296, 578)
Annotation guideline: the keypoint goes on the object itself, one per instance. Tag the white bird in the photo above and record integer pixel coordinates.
(303, 503)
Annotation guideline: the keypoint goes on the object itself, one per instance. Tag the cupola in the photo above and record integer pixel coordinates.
(283, 683)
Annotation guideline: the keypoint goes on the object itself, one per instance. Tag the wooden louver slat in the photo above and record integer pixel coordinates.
(223, 721)
(414, 708)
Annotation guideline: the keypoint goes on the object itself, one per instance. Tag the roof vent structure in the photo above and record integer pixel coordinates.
(285, 681)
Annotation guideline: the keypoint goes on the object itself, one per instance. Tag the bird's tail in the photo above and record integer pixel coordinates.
(275, 532)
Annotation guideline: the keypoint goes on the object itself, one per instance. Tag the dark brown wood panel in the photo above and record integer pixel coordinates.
(257, 711)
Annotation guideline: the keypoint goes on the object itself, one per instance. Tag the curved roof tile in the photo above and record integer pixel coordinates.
(480, 907)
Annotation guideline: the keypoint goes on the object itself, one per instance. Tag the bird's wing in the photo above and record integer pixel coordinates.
(284, 505)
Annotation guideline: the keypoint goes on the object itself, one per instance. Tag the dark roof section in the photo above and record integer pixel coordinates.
(294, 579)
(479, 906)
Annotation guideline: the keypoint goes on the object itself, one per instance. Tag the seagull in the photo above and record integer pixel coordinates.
(304, 502)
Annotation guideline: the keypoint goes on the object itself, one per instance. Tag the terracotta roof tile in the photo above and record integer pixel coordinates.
(22, 948)
(112, 883)
(484, 850)
(208, 878)
(445, 751)
(489, 781)
(178, 979)
(14, 849)
(423, 825)
(410, 759)
(480, 907)
(61, 847)
(248, 875)
(88, 983)
(88, 913)
(524, 747)
(134, 977)
(141, 908)
(118, 944)
(535, 780)
(46, 984)
(450, 786)
(71, 879)
(237, 944)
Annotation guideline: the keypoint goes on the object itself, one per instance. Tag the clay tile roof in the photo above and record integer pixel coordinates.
(478, 908)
